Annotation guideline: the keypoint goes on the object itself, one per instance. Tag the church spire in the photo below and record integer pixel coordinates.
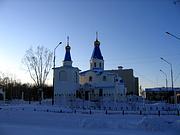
(97, 52)
(67, 59)
(96, 43)
(96, 58)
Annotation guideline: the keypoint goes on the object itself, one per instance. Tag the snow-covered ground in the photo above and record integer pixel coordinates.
(30, 120)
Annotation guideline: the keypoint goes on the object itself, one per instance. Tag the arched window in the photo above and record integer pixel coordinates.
(62, 76)
(94, 64)
(100, 64)
(100, 92)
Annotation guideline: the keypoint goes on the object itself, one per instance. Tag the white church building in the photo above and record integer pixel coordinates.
(95, 84)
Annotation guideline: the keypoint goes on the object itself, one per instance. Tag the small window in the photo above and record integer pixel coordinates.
(115, 80)
(104, 78)
(100, 65)
(90, 79)
(94, 64)
(100, 92)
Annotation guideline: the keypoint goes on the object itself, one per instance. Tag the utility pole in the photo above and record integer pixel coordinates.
(175, 98)
(54, 61)
(166, 78)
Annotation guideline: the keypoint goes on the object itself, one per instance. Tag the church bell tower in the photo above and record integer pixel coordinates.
(97, 61)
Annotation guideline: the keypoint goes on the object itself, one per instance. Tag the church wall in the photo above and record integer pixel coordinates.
(104, 79)
(66, 80)
(66, 84)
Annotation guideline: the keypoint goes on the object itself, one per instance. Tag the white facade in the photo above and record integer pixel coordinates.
(103, 85)
(101, 79)
(66, 83)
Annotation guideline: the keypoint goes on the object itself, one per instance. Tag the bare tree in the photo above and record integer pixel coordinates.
(38, 63)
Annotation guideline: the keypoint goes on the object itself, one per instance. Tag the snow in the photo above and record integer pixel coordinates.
(46, 120)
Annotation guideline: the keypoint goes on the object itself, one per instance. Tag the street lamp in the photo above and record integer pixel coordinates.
(166, 78)
(176, 1)
(173, 35)
(54, 61)
(175, 100)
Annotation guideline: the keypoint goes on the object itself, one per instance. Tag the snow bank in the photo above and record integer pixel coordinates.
(26, 116)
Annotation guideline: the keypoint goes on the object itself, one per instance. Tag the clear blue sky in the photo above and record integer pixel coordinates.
(132, 34)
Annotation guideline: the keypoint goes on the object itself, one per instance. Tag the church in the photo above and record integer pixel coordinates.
(95, 84)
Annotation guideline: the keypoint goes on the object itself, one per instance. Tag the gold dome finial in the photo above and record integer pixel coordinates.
(96, 35)
(67, 46)
(96, 43)
(67, 40)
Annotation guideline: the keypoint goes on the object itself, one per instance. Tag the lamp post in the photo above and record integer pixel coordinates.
(175, 100)
(176, 1)
(173, 35)
(166, 78)
(54, 62)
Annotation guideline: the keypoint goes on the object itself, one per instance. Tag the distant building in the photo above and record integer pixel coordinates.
(131, 82)
(162, 94)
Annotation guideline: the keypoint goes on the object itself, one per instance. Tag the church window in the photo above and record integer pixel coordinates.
(115, 80)
(100, 65)
(104, 78)
(100, 92)
(90, 79)
(94, 64)
(121, 81)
